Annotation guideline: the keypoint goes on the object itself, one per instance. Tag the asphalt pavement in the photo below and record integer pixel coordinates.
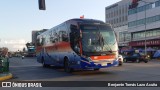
(29, 70)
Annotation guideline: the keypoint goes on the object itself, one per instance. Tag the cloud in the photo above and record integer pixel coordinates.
(14, 44)
(19, 42)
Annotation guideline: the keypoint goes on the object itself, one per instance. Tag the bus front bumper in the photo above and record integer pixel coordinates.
(93, 65)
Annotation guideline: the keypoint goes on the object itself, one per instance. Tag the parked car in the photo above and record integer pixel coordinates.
(136, 57)
(120, 59)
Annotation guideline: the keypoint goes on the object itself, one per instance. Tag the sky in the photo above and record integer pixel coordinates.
(18, 18)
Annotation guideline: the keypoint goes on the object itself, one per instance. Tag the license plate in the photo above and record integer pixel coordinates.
(104, 64)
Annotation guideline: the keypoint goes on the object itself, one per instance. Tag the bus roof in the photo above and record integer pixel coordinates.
(86, 21)
(79, 21)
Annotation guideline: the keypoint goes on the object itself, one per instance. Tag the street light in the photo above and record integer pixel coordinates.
(145, 29)
(145, 25)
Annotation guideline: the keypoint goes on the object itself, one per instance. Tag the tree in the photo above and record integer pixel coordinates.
(24, 49)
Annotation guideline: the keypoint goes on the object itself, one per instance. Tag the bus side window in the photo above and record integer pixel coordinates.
(54, 37)
(52, 40)
(65, 37)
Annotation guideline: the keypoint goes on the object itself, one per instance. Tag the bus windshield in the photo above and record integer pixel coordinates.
(98, 38)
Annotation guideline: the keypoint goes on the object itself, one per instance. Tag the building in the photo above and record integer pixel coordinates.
(136, 22)
(117, 15)
(144, 24)
(34, 36)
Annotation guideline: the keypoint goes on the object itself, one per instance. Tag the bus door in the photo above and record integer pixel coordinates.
(75, 40)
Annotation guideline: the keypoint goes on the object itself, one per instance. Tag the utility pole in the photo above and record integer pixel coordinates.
(145, 43)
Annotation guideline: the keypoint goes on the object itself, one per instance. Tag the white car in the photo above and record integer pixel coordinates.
(120, 59)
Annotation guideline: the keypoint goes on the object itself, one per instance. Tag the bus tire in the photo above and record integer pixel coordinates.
(43, 63)
(67, 66)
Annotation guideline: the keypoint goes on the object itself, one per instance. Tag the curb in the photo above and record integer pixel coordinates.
(5, 76)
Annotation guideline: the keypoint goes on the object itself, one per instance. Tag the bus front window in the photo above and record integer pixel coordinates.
(98, 38)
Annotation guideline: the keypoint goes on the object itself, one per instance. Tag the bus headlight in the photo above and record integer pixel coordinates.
(87, 58)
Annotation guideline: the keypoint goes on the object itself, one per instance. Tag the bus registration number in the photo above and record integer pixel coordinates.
(104, 64)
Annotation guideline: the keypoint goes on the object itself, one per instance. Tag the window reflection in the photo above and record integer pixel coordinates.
(141, 35)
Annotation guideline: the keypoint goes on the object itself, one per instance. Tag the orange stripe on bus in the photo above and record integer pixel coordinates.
(58, 47)
(103, 57)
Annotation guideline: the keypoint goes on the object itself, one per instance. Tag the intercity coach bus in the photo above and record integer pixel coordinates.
(78, 44)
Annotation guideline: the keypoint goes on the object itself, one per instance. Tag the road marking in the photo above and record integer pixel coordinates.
(6, 77)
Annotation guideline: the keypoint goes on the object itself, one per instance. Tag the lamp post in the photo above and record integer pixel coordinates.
(134, 4)
(145, 42)
(145, 29)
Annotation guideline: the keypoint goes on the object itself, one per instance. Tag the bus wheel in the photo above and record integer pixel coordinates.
(67, 67)
(43, 64)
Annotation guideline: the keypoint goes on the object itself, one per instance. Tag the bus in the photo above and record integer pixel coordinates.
(30, 50)
(78, 44)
